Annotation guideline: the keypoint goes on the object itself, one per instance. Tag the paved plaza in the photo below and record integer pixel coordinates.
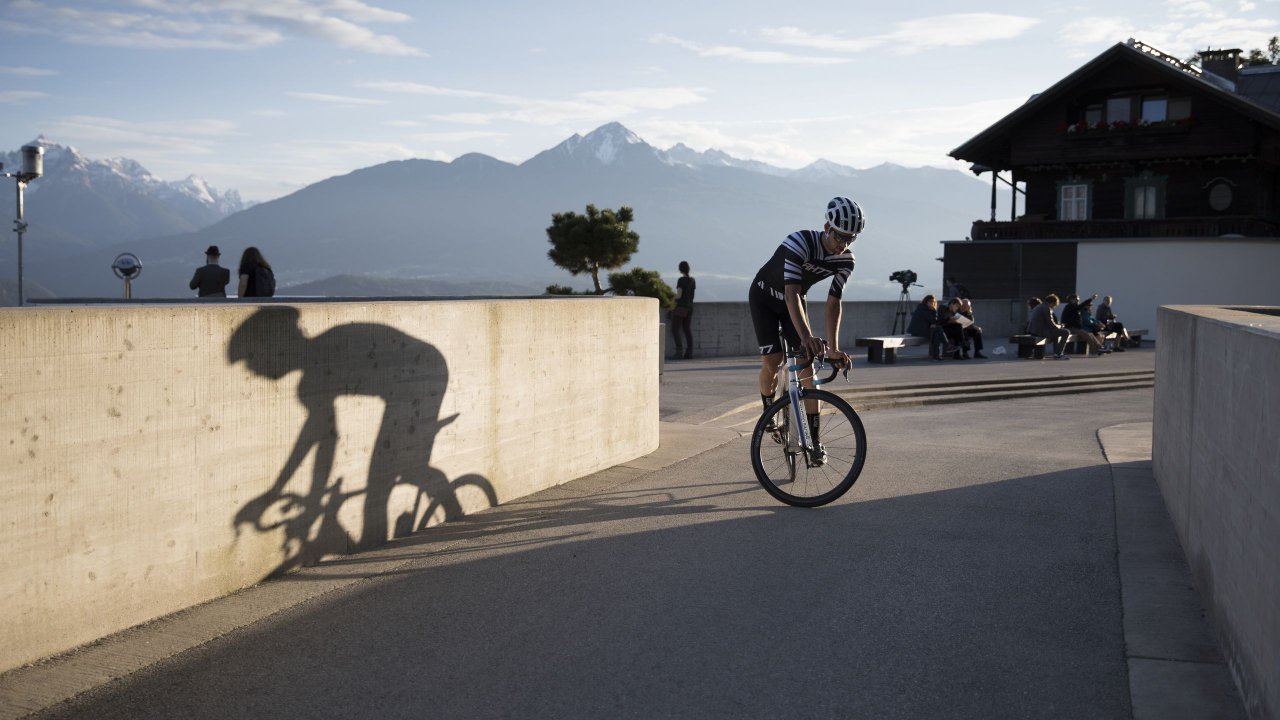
(1005, 558)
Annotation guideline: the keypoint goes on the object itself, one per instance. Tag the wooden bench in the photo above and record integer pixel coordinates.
(1029, 346)
(884, 349)
(1075, 346)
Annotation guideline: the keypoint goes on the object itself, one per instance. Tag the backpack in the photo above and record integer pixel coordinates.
(265, 282)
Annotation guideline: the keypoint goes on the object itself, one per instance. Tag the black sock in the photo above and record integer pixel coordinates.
(767, 400)
(813, 426)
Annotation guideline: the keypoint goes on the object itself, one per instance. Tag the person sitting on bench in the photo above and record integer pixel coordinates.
(1111, 324)
(1032, 302)
(953, 329)
(924, 323)
(1071, 321)
(972, 332)
(1043, 324)
(1092, 327)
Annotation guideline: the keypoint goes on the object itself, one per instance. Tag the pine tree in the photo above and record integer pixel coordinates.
(598, 240)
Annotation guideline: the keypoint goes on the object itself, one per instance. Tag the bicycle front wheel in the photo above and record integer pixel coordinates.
(809, 477)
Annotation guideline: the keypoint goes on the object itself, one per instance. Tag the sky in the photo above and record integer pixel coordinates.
(268, 96)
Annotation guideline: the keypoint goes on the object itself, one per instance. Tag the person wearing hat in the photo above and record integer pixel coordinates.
(211, 278)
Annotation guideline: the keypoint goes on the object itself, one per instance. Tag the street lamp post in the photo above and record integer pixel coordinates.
(32, 168)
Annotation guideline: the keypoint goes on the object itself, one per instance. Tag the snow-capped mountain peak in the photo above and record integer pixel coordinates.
(608, 144)
(682, 154)
(822, 169)
(608, 140)
(65, 165)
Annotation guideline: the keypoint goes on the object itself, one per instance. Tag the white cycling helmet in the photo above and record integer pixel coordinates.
(844, 215)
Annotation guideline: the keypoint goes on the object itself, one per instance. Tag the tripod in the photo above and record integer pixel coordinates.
(903, 312)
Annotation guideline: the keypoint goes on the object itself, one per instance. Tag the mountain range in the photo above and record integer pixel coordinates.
(80, 204)
(476, 225)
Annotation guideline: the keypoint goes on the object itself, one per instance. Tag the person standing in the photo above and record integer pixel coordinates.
(682, 313)
(211, 278)
(257, 279)
(953, 289)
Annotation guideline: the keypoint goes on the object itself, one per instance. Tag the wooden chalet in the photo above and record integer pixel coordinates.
(1138, 176)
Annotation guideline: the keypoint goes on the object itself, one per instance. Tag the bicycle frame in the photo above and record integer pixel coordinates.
(795, 392)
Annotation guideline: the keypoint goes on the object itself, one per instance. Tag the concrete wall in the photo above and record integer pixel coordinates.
(1143, 275)
(1216, 456)
(158, 456)
(723, 329)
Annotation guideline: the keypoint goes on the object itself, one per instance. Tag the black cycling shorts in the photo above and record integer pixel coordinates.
(767, 312)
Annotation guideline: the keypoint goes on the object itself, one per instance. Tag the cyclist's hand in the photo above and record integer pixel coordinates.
(838, 359)
(814, 346)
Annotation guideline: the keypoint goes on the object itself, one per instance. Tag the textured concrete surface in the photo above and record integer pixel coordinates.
(975, 571)
(157, 456)
(1217, 458)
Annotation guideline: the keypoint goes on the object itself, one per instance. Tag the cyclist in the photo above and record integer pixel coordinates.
(777, 295)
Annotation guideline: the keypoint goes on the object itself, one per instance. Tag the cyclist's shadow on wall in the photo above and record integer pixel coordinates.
(408, 375)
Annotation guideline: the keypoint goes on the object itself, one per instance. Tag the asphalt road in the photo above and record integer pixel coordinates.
(971, 573)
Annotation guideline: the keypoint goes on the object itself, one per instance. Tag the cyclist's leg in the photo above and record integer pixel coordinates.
(765, 317)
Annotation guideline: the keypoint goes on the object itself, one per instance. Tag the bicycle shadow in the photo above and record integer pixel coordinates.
(357, 359)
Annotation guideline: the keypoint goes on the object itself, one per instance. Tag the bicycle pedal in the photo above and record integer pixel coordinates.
(818, 457)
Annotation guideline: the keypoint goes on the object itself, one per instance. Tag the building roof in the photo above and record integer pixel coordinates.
(1256, 93)
(1261, 84)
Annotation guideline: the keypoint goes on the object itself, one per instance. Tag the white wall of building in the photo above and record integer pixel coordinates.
(1143, 275)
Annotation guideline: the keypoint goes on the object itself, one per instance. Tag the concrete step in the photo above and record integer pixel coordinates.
(891, 396)
(884, 397)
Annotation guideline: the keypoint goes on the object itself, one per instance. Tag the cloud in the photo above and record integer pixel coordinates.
(1185, 27)
(1194, 9)
(912, 136)
(414, 88)
(142, 139)
(588, 106)
(20, 97)
(738, 54)
(214, 24)
(359, 151)
(334, 99)
(912, 36)
(1097, 30)
(1178, 38)
(27, 71)
(456, 137)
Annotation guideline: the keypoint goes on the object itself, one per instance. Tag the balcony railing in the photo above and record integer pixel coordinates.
(1091, 229)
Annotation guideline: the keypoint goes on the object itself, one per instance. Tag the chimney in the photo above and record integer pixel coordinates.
(1223, 63)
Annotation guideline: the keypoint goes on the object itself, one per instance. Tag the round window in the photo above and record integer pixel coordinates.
(1220, 196)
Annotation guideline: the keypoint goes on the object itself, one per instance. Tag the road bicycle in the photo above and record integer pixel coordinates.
(804, 464)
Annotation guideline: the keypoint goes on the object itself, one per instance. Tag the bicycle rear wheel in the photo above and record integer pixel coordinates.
(799, 478)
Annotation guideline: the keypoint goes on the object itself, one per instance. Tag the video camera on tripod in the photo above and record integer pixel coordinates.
(904, 277)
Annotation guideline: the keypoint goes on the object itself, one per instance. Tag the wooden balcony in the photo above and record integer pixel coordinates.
(1101, 229)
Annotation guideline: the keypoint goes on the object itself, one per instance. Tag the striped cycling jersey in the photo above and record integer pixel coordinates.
(801, 260)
